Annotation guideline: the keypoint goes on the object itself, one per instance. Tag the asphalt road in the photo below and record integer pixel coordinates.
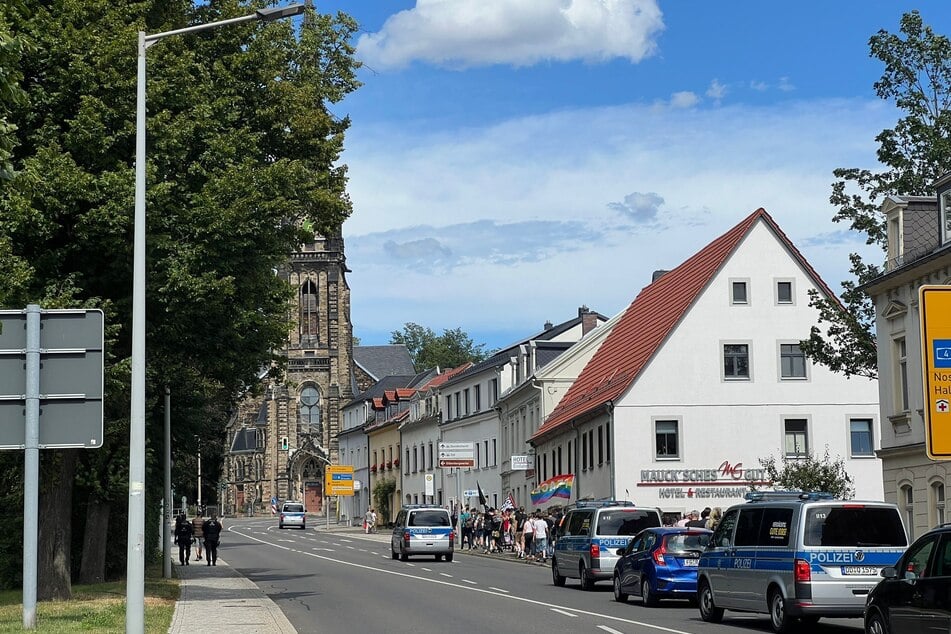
(337, 582)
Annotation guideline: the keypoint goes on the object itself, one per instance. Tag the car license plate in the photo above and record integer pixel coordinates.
(860, 570)
(691, 562)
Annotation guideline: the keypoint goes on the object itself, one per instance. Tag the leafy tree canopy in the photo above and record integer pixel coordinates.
(243, 164)
(913, 154)
(429, 350)
(810, 474)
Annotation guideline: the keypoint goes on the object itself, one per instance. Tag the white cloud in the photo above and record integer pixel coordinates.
(785, 85)
(466, 33)
(684, 99)
(524, 214)
(716, 91)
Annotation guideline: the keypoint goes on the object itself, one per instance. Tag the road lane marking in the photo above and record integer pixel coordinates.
(609, 630)
(445, 575)
(574, 616)
(428, 569)
(349, 541)
(498, 589)
(351, 547)
(472, 582)
(498, 592)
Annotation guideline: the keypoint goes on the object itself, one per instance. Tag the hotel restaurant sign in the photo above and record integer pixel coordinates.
(726, 481)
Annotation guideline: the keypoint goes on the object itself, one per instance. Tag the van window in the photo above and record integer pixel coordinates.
(429, 518)
(747, 527)
(579, 523)
(293, 508)
(685, 542)
(774, 529)
(626, 522)
(724, 533)
(854, 525)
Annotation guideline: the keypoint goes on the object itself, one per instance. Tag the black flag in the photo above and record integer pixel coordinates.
(481, 494)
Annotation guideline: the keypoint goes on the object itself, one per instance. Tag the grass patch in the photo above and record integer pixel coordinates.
(98, 607)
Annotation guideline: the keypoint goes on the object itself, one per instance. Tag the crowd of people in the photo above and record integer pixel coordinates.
(527, 535)
(707, 518)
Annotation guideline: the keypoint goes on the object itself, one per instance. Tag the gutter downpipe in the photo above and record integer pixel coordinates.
(611, 453)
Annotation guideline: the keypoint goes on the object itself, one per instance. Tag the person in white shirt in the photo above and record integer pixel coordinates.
(528, 536)
(541, 538)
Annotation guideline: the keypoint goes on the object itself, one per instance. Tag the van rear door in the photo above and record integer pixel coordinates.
(847, 545)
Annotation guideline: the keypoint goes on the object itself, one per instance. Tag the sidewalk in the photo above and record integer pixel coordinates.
(220, 595)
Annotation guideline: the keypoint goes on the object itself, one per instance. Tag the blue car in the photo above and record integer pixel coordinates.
(660, 563)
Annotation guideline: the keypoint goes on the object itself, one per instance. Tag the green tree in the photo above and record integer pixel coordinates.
(243, 164)
(429, 350)
(916, 79)
(12, 49)
(383, 494)
(810, 474)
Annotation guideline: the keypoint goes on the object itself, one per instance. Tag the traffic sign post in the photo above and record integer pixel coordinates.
(935, 308)
(453, 455)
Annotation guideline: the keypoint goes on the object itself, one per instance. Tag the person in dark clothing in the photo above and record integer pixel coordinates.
(184, 533)
(699, 523)
(211, 529)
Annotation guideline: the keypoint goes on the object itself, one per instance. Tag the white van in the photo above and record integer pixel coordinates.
(797, 557)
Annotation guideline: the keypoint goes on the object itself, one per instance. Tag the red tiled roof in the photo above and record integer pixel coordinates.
(439, 379)
(403, 393)
(378, 403)
(389, 396)
(649, 319)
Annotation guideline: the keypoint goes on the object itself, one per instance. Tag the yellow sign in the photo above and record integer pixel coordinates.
(338, 480)
(934, 303)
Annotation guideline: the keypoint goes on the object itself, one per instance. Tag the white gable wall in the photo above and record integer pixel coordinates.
(738, 421)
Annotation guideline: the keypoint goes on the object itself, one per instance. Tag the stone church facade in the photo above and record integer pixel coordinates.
(279, 442)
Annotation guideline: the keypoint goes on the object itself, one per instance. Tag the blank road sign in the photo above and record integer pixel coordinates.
(71, 378)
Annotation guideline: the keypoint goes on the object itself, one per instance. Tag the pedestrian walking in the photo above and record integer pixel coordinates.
(541, 538)
(197, 524)
(528, 536)
(368, 520)
(211, 529)
(184, 534)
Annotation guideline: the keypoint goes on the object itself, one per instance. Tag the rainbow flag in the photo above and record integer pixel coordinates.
(559, 486)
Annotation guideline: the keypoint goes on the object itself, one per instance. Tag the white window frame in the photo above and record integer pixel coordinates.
(906, 502)
(780, 356)
(937, 503)
(900, 351)
(806, 432)
(678, 425)
(792, 291)
(745, 281)
(871, 437)
(749, 361)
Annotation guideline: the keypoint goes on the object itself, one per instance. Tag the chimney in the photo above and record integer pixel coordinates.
(589, 320)
(548, 325)
(658, 274)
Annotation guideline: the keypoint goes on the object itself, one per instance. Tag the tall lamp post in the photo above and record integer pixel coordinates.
(135, 569)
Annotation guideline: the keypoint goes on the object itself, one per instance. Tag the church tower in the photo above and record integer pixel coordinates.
(280, 442)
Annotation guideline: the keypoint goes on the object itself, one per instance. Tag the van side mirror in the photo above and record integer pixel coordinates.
(889, 572)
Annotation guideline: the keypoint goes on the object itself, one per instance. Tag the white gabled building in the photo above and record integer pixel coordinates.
(703, 376)
(419, 439)
(469, 403)
(524, 406)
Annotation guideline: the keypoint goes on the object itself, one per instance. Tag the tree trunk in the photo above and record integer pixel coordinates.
(55, 525)
(92, 569)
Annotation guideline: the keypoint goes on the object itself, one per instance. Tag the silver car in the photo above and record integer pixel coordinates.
(422, 529)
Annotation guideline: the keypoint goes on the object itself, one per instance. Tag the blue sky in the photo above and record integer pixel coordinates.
(512, 160)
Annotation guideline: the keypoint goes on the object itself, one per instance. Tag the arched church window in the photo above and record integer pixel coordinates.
(310, 411)
(308, 311)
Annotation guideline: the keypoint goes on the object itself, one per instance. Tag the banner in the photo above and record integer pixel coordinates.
(559, 486)
(482, 499)
(509, 503)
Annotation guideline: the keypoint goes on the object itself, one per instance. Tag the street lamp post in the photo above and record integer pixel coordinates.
(135, 569)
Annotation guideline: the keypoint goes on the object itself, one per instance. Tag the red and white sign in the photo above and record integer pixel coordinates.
(456, 455)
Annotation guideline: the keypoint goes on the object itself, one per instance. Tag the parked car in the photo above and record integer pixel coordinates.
(798, 557)
(915, 594)
(590, 535)
(660, 563)
(292, 514)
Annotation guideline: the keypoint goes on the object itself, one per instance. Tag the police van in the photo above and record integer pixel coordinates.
(590, 535)
(797, 557)
(422, 529)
